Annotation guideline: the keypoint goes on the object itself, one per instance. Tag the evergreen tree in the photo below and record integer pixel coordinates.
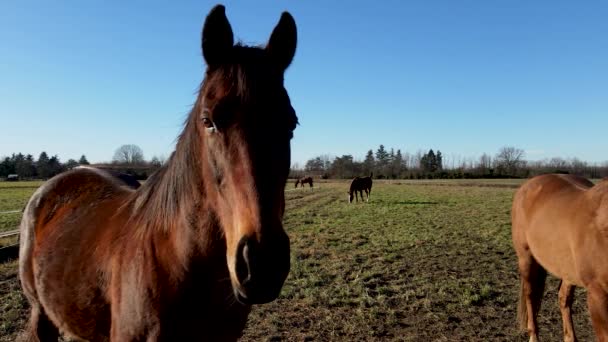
(381, 155)
(382, 159)
(83, 160)
(42, 166)
(342, 167)
(432, 161)
(369, 163)
(20, 165)
(439, 158)
(55, 166)
(25, 167)
(428, 162)
(398, 166)
(70, 164)
(6, 167)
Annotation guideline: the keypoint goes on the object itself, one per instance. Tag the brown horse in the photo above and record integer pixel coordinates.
(360, 184)
(185, 256)
(560, 225)
(304, 180)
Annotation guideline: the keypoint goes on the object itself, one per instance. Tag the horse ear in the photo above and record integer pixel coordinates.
(282, 44)
(217, 38)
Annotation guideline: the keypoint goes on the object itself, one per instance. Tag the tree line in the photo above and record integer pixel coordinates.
(127, 159)
(25, 166)
(508, 162)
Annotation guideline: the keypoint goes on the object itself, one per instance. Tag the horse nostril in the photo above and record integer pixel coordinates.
(243, 260)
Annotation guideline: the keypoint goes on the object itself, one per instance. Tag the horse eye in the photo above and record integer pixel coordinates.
(207, 122)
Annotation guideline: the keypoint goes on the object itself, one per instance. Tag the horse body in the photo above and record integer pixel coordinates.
(184, 256)
(304, 180)
(560, 225)
(359, 185)
(109, 258)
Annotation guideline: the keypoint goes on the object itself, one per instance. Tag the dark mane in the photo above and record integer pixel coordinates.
(157, 202)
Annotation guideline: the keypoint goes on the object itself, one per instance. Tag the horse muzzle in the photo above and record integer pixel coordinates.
(261, 269)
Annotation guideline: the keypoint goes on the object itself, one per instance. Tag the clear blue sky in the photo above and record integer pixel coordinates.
(465, 77)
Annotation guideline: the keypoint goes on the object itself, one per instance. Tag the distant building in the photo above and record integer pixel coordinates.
(12, 177)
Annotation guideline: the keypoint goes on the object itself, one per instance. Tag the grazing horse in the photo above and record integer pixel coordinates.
(304, 180)
(360, 184)
(560, 226)
(183, 257)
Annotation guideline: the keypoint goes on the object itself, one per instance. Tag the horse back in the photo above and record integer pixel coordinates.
(361, 183)
(548, 190)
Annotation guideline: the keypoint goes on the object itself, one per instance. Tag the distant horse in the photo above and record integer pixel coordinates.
(560, 225)
(360, 184)
(183, 257)
(304, 180)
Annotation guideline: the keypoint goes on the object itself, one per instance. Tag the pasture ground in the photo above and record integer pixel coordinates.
(423, 261)
(13, 196)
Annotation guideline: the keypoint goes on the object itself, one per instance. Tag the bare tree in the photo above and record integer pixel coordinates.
(485, 163)
(509, 159)
(129, 154)
(558, 163)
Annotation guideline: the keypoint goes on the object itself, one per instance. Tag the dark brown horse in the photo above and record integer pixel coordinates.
(360, 184)
(304, 180)
(560, 225)
(185, 256)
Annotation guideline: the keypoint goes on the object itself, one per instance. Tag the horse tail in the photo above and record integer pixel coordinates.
(536, 281)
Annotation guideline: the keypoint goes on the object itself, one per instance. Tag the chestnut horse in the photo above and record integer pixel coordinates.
(183, 257)
(360, 184)
(560, 225)
(304, 180)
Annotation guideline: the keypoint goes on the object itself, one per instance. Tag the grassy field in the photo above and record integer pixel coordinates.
(423, 261)
(13, 197)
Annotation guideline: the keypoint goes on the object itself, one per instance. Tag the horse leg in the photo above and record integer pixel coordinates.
(597, 300)
(40, 328)
(566, 298)
(533, 277)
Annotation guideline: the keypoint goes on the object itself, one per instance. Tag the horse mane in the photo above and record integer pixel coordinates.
(170, 189)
